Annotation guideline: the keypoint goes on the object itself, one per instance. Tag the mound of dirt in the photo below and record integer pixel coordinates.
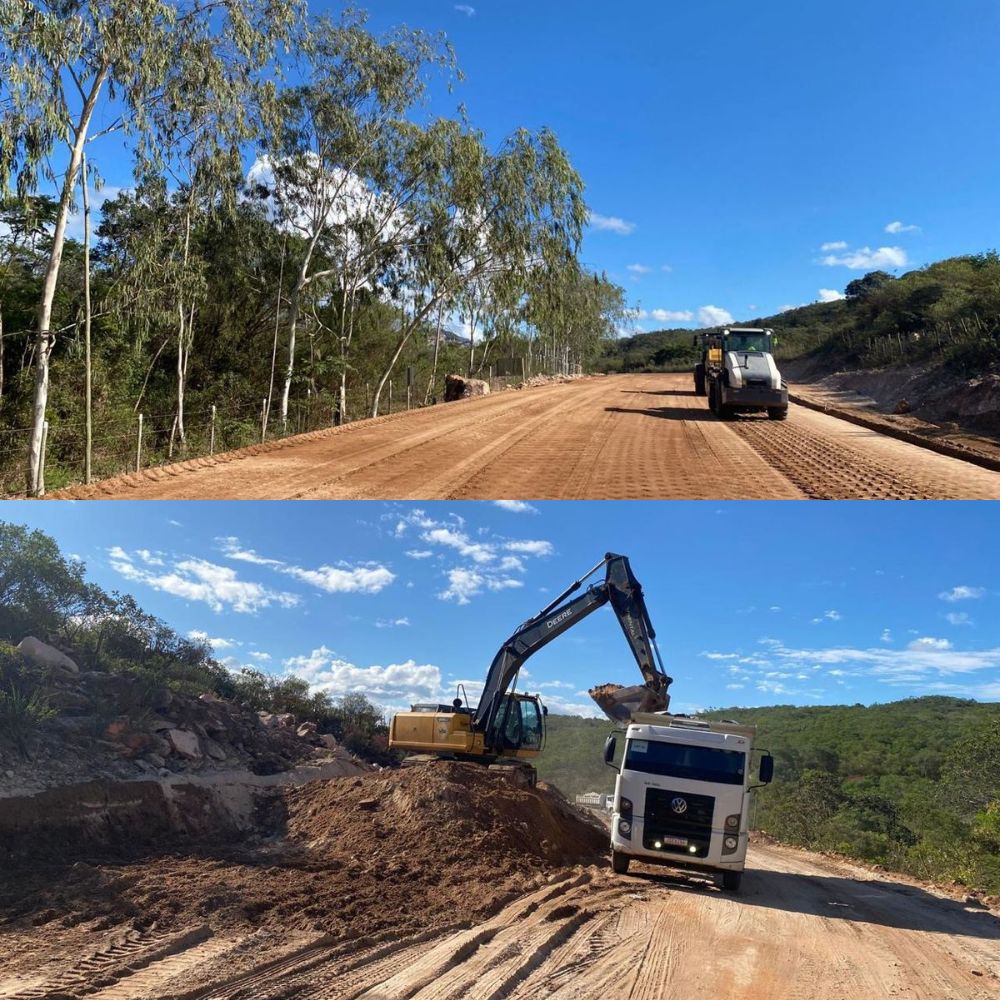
(440, 815)
(395, 851)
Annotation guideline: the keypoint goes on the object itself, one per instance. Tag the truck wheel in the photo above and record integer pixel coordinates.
(777, 413)
(713, 397)
(699, 380)
(731, 881)
(619, 863)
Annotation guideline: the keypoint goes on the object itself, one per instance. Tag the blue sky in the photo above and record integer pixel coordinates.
(740, 158)
(754, 603)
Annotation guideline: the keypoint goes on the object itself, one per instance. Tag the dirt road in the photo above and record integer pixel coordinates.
(802, 927)
(620, 437)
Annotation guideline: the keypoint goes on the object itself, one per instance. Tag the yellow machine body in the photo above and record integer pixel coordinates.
(447, 734)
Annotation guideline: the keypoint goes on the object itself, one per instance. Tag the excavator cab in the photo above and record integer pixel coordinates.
(520, 724)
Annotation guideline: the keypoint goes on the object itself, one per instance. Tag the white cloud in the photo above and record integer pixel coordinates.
(232, 549)
(419, 553)
(516, 506)
(392, 622)
(886, 635)
(639, 268)
(830, 295)
(199, 580)
(217, 643)
(530, 547)
(512, 563)
(865, 258)
(666, 268)
(834, 245)
(458, 540)
(926, 642)
(259, 656)
(962, 593)
(463, 585)
(504, 583)
(407, 681)
(672, 315)
(788, 307)
(721, 656)
(464, 8)
(364, 579)
(828, 616)
(898, 227)
(344, 578)
(611, 224)
(958, 618)
(714, 316)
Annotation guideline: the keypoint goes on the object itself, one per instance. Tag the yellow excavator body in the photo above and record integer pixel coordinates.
(450, 733)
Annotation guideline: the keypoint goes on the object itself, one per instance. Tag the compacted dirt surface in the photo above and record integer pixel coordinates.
(444, 882)
(614, 437)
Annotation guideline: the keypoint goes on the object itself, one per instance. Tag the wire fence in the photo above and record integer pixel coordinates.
(128, 442)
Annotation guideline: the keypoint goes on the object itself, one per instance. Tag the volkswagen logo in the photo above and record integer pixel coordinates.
(679, 805)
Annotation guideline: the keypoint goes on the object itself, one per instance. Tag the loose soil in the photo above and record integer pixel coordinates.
(615, 437)
(379, 856)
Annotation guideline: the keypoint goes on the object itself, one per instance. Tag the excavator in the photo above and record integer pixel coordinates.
(507, 728)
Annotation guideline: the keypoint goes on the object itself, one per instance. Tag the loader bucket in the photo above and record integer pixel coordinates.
(620, 703)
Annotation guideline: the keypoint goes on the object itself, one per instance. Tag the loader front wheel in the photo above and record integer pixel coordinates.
(731, 881)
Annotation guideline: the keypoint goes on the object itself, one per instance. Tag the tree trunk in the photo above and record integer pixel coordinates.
(1, 355)
(88, 447)
(290, 369)
(44, 339)
(277, 322)
(437, 349)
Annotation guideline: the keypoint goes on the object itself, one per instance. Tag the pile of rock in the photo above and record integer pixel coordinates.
(459, 387)
(116, 724)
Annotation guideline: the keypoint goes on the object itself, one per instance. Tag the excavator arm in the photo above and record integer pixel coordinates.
(624, 593)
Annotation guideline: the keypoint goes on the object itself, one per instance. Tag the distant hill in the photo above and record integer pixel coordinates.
(913, 785)
(947, 313)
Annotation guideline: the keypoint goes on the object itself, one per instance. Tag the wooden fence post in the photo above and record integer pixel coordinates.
(138, 446)
(211, 435)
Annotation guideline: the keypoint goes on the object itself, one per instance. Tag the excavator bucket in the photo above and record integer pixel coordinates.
(620, 703)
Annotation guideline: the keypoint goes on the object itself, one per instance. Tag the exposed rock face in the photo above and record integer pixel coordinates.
(45, 655)
(457, 387)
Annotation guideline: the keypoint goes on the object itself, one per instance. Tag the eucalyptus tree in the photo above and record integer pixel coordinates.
(330, 168)
(491, 219)
(62, 61)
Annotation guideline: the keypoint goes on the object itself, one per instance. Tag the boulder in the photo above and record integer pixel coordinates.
(286, 720)
(458, 387)
(184, 743)
(329, 741)
(306, 729)
(45, 655)
(214, 750)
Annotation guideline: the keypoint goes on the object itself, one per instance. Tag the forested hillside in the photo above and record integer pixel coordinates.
(295, 246)
(913, 785)
(947, 313)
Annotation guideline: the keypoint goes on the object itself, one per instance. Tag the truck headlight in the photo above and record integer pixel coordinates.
(733, 822)
(624, 827)
(731, 842)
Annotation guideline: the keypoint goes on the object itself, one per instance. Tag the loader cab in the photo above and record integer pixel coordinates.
(520, 724)
(752, 341)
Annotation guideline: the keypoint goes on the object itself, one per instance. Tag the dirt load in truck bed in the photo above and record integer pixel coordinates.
(390, 852)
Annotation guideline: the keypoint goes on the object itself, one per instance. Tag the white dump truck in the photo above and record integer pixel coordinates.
(683, 793)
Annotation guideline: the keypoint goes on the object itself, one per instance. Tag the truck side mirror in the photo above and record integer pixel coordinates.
(609, 750)
(766, 769)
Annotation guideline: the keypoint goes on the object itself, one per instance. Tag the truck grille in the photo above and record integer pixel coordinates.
(692, 824)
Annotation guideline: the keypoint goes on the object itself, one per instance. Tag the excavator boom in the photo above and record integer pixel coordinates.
(624, 592)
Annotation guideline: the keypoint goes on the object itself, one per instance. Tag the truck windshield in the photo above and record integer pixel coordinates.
(747, 342)
(679, 761)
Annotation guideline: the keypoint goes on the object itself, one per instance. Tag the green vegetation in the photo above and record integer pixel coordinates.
(289, 250)
(44, 594)
(913, 785)
(947, 313)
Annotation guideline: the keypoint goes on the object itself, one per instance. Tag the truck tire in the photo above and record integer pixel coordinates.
(699, 380)
(777, 413)
(731, 881)
(619, 862)
(713, 396)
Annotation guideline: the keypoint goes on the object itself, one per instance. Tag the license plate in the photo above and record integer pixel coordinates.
(675, 841)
